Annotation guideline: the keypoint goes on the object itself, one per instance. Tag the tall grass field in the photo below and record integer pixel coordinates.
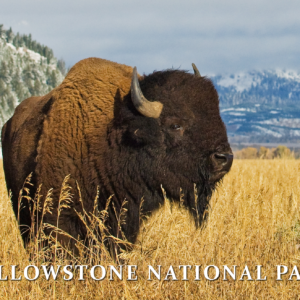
(251, 238)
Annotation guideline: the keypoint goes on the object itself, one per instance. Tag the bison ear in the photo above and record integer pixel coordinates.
(143, 131)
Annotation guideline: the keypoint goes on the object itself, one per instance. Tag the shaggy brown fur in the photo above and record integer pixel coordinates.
(89, 128)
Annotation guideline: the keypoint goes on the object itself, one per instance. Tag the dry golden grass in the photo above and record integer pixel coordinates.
(254, 221)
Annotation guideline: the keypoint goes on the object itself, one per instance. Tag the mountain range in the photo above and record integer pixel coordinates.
(256, 106)
(260, 106)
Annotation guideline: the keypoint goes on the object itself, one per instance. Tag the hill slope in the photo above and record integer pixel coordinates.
(24, 72)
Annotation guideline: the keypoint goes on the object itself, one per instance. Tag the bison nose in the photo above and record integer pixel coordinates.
(222, 161)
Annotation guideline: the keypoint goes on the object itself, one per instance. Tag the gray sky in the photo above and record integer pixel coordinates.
(220, 36)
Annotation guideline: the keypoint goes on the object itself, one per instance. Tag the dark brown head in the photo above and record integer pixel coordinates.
(172, 122)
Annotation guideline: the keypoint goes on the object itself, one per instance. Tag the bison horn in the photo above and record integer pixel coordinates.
(196, 71)
(145, 107)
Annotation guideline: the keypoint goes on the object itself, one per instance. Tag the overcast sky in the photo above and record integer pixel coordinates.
(220, 36)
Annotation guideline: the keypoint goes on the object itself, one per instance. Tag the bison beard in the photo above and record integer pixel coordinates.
(99, 127)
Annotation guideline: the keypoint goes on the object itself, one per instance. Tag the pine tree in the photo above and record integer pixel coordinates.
(1, 31)
(61, 65)
(9, 35)
(4, 72)
(37, 88)
(17, 85)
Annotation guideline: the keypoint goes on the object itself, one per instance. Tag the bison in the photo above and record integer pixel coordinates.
(122, 135)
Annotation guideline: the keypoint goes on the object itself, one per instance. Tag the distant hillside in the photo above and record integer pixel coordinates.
(27, 68)
(260, 106)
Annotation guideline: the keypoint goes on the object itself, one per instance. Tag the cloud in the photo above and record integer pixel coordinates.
(23, 23)
(219, 36)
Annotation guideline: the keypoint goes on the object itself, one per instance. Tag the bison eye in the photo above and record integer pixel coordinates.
(176, 127)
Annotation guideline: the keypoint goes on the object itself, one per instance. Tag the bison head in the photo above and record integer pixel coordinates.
(172, 133)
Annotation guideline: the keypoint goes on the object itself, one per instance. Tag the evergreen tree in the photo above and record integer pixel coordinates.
(17, 85)
(10, 100)
(37, 88)
(9, 35)
(1, 31)
(4, 72)
(61, 65)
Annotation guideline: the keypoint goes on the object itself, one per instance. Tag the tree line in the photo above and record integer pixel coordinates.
(23, 40)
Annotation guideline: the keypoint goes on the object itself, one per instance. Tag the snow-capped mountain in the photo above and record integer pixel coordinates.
(256, 106)
(260, 106)
(26, 69)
